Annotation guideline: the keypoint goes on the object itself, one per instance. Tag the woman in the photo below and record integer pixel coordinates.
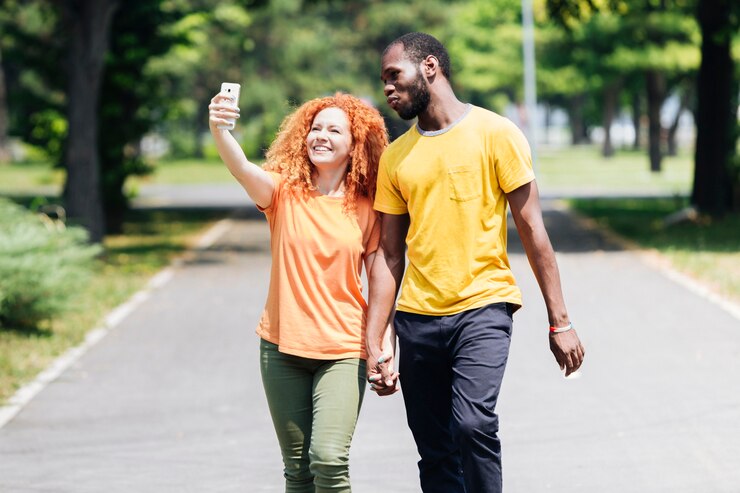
(316, 190)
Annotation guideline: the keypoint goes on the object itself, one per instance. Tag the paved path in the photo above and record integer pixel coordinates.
(171, 401)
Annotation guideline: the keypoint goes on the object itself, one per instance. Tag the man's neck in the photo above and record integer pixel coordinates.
(443, 111)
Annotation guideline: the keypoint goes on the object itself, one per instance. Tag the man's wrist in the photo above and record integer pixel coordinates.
(563, 328)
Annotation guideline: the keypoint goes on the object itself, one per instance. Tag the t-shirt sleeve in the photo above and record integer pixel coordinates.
(277, 180)
(513, 158)
(388, 198)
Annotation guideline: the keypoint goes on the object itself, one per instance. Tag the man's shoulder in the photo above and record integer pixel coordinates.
(401, 144)
(402, 139)
(493, 121)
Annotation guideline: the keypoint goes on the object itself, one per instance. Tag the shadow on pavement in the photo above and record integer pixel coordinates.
(566, 234)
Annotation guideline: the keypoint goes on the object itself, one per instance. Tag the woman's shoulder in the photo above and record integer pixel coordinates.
(366, 214)
(364, 204)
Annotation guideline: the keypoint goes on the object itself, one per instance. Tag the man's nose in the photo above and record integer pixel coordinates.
(388, 89)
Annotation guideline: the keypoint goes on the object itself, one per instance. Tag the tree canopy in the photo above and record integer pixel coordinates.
(160, 62)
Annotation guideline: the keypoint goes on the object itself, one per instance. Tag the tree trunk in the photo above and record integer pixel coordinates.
(4, 141)
(673, 129)
(548, 124)
(716, 124)
(115, 202)
(611, 94)
(88, 23)
(636, 118)
(201, 127)
(655, 95)
(575, 118)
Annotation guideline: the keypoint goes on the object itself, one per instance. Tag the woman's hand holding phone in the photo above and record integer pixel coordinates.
(224, 108)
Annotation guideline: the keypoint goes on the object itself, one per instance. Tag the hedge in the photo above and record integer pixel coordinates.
(43, 264)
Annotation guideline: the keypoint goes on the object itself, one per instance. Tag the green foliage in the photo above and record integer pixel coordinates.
(31, 41)
(487, 52)
(49, 127)
(42, 265)
(132, 100)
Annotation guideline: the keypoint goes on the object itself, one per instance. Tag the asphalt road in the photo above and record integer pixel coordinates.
(171, 400)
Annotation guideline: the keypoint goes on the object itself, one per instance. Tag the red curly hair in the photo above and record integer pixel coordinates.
(288, 154)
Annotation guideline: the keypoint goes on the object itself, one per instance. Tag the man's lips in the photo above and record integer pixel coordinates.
(392, 101)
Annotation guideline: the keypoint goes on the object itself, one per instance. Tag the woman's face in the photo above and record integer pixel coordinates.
(329, 142)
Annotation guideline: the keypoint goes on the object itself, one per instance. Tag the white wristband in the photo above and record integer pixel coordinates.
(557, 330)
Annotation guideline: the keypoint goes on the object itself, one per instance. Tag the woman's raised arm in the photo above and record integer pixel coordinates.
(256, 181)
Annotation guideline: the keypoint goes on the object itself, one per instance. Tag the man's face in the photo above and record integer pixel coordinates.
(404, 85)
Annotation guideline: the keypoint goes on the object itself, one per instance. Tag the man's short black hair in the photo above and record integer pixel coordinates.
(417, 46)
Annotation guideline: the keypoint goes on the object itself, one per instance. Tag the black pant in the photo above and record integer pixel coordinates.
(451, 370)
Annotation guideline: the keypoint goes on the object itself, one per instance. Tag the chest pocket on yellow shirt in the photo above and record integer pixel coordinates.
(464, 183)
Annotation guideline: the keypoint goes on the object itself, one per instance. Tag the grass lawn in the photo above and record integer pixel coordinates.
(22, 177)
(185, 171)
(41, 178)
(150, 241)
(583, 169)
(708, 250)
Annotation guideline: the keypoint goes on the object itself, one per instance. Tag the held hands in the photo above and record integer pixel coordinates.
(220, 111)
(383, 380)
(568, 350)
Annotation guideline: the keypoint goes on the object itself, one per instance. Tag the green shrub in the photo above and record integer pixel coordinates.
(42, 266)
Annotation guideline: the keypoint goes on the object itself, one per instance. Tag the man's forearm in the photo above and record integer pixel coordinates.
(545, 268)
(384, 281)
(527, 213)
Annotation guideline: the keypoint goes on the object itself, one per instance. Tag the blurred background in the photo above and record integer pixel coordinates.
(632, 112)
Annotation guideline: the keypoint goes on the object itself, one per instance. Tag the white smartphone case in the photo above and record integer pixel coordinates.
(232, 89)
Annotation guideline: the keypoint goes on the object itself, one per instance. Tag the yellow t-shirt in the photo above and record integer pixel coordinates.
(315, 308)
(452, 183)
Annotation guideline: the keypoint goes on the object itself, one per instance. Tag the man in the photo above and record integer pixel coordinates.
(443, 186)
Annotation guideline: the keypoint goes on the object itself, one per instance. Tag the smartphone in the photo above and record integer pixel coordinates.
(230, 89)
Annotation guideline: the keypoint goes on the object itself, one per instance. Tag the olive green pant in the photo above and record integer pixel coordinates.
(314, 406)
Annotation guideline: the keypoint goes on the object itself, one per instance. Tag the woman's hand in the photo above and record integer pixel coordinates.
(220, 111)
(382, 378)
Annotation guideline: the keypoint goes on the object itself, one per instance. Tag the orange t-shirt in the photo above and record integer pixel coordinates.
(315, 308)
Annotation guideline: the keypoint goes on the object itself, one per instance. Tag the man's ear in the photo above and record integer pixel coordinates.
(430, 66)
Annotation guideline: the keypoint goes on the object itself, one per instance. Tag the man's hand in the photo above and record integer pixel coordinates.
(383, 380)
(568, 350)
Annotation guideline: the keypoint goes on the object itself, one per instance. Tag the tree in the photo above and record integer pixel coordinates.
(4, 142)
(658, 40)
(88, 24)
(486, 51)
(716, 174)
(213, 40)
(133, 99)
(31, 45)
(593, 83)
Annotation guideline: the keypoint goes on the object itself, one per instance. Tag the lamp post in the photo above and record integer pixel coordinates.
(530, 87)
